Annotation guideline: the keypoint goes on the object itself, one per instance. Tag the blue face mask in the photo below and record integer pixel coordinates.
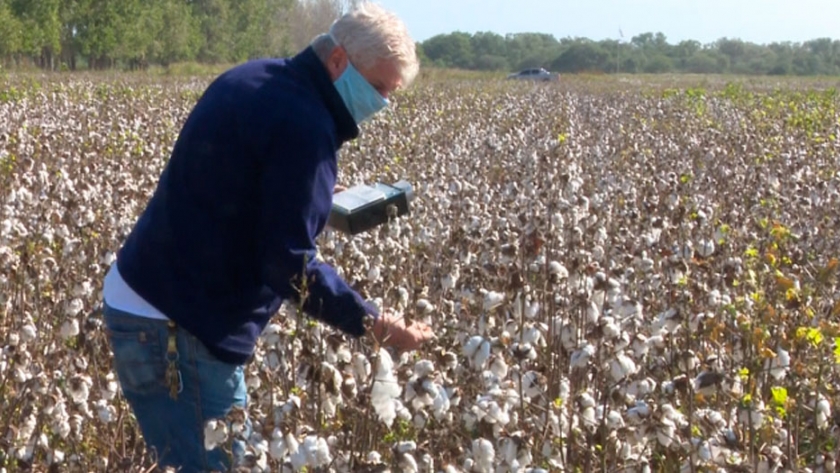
(359, 96)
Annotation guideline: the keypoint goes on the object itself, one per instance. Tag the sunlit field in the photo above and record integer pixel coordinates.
(625, 274)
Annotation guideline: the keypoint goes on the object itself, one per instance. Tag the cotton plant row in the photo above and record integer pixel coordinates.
(619, 280)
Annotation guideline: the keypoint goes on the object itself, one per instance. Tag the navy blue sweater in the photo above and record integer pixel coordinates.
(231, 227)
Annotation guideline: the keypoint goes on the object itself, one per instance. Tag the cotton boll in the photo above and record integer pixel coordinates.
(580, 358)
(73, 307)
(28, 333)
(621, 367)
(471, 345)
(705, 247)
(780, 364)
(492, 299)
(69, 329)
(823, 412)
(361, 367)
(666, 432)
(385, 388)
(215, 433)
(498, 367)
(484, 455)
(479, 361)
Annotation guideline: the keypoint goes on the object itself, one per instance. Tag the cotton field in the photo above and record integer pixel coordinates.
(622, 277)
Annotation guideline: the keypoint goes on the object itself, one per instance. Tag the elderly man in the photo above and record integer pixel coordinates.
(229, 232)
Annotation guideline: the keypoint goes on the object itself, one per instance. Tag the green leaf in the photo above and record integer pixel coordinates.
(837, 350)
(814, 336)
(780, 395)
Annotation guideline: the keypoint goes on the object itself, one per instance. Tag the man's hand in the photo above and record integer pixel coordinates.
(391, 331)
(338, 188)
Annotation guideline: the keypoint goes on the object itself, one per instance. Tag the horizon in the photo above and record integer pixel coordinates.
(754, 21)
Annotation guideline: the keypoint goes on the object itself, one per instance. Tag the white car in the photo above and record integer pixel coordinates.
(538, 74)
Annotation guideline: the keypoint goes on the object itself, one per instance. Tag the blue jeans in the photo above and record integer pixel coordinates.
(174, 429)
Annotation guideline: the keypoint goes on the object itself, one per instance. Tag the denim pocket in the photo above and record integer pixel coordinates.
(222, 384)
(138, 358)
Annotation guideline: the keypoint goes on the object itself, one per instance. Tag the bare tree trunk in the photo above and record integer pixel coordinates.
(309, 18)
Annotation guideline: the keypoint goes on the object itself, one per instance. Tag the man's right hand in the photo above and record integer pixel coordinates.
(390, 330)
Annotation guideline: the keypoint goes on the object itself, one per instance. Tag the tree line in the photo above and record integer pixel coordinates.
(643, 53)
(99, 34)
(130, 34)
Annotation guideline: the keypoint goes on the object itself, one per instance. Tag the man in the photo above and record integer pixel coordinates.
(230, 231)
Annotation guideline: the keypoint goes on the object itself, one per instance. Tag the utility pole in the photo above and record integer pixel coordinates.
(618, 52)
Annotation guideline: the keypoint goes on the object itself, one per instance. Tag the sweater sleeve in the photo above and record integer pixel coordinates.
(296, 190)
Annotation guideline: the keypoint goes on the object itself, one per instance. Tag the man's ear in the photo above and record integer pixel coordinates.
(337, 62)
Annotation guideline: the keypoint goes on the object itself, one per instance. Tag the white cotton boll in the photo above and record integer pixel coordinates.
(532, 384)
(471, 345)
(666, 432)
(532, 310)
(405, 446)
(105, 411)
(587, 417)
(557, 220)
(705, 247)
(55, 457)
(593, 313)
(272, 335)
(531, 335)
(277, 445)
(272, 360)
(215, 433)
(424, 307)
(492, 299)
(580, 358)
(823, 411)
(69, 328)
(28, 333)
(74, 307)
(361, 367)
(78, 387)
(484, 455)
(407, 463)
(316, 450)
(557, 270)
(499, 367)
(780, 364)
(609, 328)
(441, 404)
(752, 414)
(423, 368)
(508, 451)
(420, 420)
(479, 361)
(373, 273)
(614, 420)
(14, 339)
(374, 457)
(713, 298)
(638, 413)
(62, 428)
(385, 388)
(297, 454)
(109, 258)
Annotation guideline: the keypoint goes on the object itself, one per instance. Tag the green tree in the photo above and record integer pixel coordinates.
(10, 31)
(450, 50)
(583, 56)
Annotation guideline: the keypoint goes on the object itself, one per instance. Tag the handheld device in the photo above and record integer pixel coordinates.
(362, 207)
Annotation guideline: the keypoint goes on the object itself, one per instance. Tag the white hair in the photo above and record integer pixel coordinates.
(370, 34)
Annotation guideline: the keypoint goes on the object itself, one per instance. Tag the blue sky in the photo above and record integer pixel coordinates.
(758, 21)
